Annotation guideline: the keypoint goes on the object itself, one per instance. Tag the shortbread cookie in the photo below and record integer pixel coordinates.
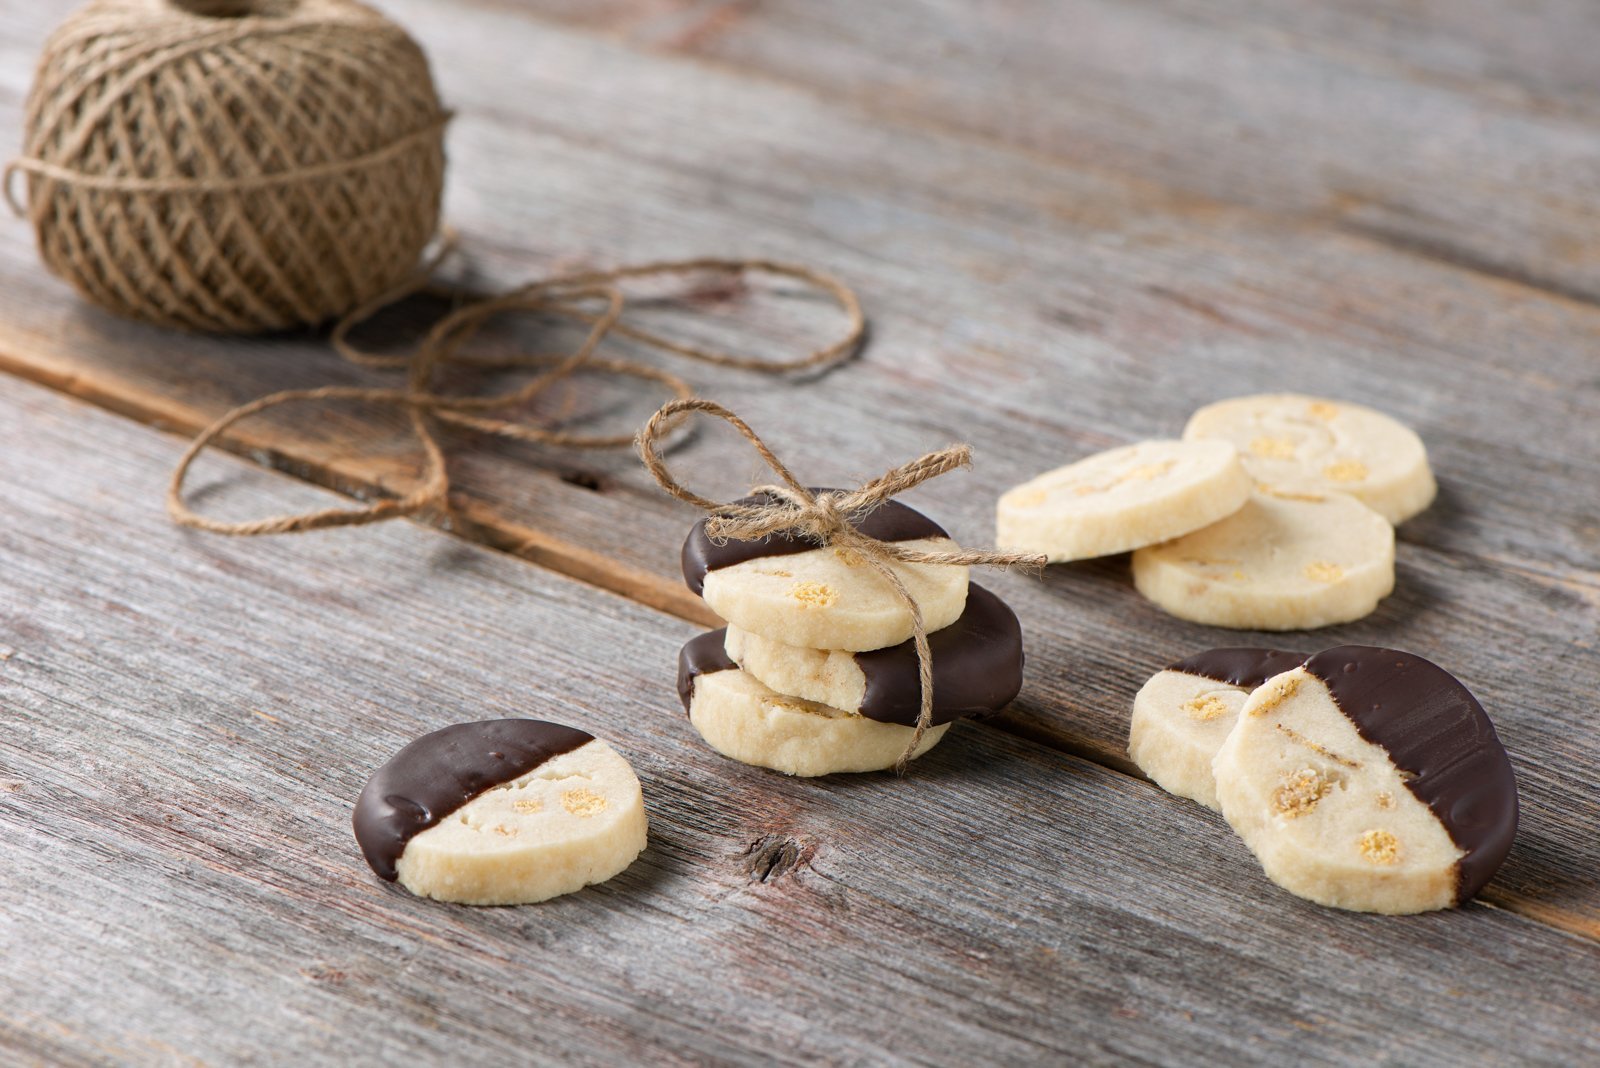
(787, 589)
(1282, 562)
(501, 812)
(977, 668)
(745, 721)
(1289, 441)
(1183, 714)
(1123, 499)
(1369, 779)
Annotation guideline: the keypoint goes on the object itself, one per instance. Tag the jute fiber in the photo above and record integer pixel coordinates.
(595, 298)
(232, 166)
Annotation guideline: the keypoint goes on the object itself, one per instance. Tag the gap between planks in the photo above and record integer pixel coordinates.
(475, 524)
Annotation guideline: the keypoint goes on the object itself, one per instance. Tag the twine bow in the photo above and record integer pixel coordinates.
(829, 519)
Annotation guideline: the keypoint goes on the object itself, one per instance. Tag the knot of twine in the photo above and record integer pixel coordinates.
(572, 296)
(231, 166)
(829, 519)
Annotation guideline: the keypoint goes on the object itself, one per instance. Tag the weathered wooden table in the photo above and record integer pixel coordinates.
(1072, 223)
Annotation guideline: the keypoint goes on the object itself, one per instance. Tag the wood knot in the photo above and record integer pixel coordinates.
(772, 856)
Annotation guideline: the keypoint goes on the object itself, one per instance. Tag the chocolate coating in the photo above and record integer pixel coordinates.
(890, 521)
(1434, 729)
(439, 772)
(1246, 668)
(702, 655)
(977, 667)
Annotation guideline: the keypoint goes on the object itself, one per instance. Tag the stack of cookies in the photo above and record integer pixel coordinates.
(816, 671)
(1275, 512)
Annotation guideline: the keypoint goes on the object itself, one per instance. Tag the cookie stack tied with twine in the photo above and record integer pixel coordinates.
(853, 637)
(1275, 512)
(232, 165)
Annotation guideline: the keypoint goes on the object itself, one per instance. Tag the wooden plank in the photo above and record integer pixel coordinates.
(1460, 131)
(1024, 305)
(188, 719)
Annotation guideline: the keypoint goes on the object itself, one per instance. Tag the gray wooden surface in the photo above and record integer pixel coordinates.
(1071, 224)
(188, 720)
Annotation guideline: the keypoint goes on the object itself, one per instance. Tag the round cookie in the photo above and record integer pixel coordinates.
(1369, 779)
(977, 668)
(1123, 499)
(1183, 714)
(501, 812)
(787, 589)
(1282, 562)
(1290, 441)
(746, 721)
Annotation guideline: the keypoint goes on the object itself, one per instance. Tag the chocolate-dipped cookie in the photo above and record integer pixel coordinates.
(977, 668)
(745, 720)
(1183, 714)
(1369, 779)
(501, 812)
(786, 588)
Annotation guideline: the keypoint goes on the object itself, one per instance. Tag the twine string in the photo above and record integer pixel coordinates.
(828, 518)
(594, 298)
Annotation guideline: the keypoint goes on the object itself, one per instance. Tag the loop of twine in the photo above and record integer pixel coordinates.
(571, 296)
(829, 519)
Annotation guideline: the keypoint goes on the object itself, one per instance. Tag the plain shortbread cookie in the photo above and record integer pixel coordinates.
(1282, 562)
(1290, 441)
(1123, 499)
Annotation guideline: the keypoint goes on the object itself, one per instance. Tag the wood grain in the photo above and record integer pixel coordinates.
(1037, 307)
(188, 719)
(1459, 131)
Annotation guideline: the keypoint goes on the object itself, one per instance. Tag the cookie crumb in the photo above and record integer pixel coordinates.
(583, 802)
(1273, 448)
(1346, 471)
(505, 832)
(1323, 571)
(1147, 472)
(1379, 847)
(1281, 692)
(528, 805)
(1206, 707)
(1290, 495)
(1322, 410)
(1385, 799)
(1300, 792)
(813, 594)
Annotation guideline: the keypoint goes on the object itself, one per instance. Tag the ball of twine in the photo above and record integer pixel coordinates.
(232, 165)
